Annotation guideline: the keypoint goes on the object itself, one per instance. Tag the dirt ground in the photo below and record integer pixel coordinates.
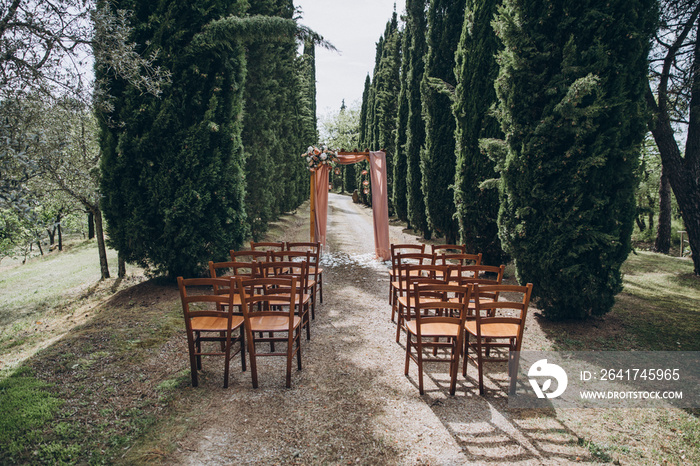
(351, 403)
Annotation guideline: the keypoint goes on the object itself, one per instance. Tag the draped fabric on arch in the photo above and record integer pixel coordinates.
(380, 199)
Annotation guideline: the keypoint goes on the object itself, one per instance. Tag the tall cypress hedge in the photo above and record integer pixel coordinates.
(570, 91)
(398, 192)
(445, 19)
(476, 71)
(416, 24)
(172, 167)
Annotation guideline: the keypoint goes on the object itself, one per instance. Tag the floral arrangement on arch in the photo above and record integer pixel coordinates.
(315, 157)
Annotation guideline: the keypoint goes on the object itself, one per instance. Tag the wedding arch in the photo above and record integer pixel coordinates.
(380, 200)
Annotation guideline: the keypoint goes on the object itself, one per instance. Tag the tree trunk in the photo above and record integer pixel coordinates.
(52, 234)
(91, 225)
(60, 234)
(122, 266)
(663, 231)
(99, 233)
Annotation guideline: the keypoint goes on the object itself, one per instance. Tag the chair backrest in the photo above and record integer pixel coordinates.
(201, 291)
(231, 269)
(268, 297)
(411, 274)
(285, 269)
(481, 275)
(248, 255)
(459, 259)
(267, 246)
(449, 303)
(509, 311)
(313, 247)
(403, 249)
(448, 248)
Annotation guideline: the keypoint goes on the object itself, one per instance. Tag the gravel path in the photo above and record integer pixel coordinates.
(351, 403)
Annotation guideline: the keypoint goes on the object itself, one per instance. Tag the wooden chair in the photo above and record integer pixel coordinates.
(458, 259)
(266, 246)
(410, 275)
(269, 308)
(290, 268)
(438, 249)
(479, 275)
(205, 321)
(396, 286)
(315, 269)
(393, 274)
(497, 324)
(433, 319)
(308, 254)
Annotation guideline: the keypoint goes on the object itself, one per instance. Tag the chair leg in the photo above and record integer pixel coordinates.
(513, 364)
(465, 356)
(227, 360)
(290, 350)
(241, 339)
(399, 322)
(193, 365)
(320, 287)
(480, 359)
(253, 362)
(419, 360)
(454, 365)
(299, 353)
(408, 354)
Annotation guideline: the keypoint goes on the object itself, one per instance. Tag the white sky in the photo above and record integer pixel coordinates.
(353, 27)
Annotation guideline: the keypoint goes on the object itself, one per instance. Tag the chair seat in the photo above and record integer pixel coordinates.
(215, 324)
(502, 330)
(435, 329)
(272, 323)
(305, 299)
(408, 301)
(313, 270)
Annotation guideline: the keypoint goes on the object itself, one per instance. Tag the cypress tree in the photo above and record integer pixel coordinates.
(476, 71)
(172, 168)
(387, 86)
(445, 19)
(570, 91)
(268, 136)
(400, 169)
(416, 23)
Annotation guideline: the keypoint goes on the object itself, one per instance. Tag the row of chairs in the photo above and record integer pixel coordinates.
(446, 298)
(265, 295)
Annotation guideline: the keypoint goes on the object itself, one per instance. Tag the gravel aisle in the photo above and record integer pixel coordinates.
(351, 403)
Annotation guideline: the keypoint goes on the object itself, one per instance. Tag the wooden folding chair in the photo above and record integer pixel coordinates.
(397, 286)
(393, 274)
(435, 317)
(497, 324)
(269, 308)
(409, 275)
(205, 321)
(315, 269)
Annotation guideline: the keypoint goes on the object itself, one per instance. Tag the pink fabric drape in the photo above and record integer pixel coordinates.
(380, 204)
(380, 200)
(321, 203)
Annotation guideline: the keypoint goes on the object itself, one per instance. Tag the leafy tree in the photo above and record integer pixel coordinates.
(476, 71)
(673, 95)
(571, 88)
(173, 168)
(445, 19)
(416, 24)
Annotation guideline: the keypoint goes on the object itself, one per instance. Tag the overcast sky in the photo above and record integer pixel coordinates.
(353, 27)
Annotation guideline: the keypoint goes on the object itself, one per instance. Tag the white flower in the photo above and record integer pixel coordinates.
(308, 158)
(324, 156)
(310, 149)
